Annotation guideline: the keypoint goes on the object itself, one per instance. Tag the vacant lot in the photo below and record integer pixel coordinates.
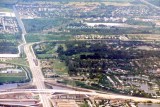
(17, 61)
(39, 25)
(36, 37)
(13, 77)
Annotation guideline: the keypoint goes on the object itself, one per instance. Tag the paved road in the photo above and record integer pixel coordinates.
(38, 78)
(36, 70)
(20, 23)
(106, 95)
(150, 4)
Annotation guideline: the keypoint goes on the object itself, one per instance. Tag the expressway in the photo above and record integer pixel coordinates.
(38, 78)
(35, 69)
(21, 25)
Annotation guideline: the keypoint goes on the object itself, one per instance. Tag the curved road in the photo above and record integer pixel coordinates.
(36, 70)
(38, 78)
(150, 4)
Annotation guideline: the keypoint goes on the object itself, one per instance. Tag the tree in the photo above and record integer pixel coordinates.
(60, 49)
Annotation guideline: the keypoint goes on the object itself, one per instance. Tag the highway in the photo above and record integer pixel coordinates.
(150, 4)
(38, 78)
(21, 25)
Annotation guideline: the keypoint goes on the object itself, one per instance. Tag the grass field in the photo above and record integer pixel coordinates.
(46, 37)
(13, 77)
(41, 24)
(50, 52)
(147, 37)
(59, 67)
(17, 61)
(4, 9)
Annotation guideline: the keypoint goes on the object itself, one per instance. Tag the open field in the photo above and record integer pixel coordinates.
(36, 37)
(17, 61)
(39, 25)
(60, 67)
(12, 77)
(147, 37)
(49, 51)
(4, 9)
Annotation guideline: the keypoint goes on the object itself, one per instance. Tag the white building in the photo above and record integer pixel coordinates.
(11, 71)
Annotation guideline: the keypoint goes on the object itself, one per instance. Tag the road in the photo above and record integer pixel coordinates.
(38, 78)
(21, 25)
(150, 4)
(92, 93)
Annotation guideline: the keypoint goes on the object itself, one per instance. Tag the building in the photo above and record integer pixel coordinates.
(11, 71)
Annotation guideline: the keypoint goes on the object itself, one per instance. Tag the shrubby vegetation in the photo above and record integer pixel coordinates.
(98, 60)
(111, 31)
(40, 24)
(36, 37)
(97, 57)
